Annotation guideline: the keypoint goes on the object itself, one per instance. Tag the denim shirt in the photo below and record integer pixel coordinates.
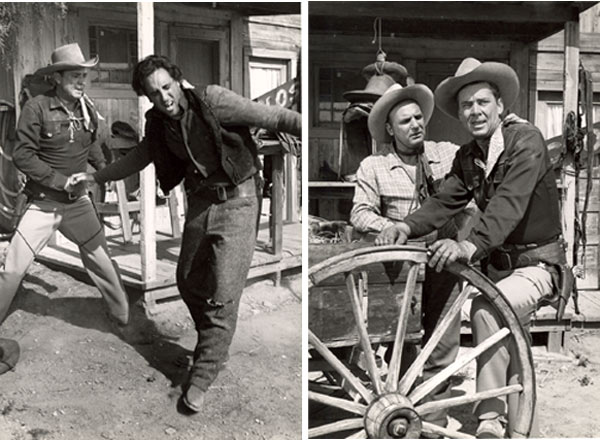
(50, 147)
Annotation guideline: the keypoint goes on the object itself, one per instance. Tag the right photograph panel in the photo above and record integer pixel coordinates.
(453, 219)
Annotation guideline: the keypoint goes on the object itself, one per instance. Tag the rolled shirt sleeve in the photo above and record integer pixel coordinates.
(366, 210)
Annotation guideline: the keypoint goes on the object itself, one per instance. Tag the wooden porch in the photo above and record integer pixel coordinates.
(64, 255)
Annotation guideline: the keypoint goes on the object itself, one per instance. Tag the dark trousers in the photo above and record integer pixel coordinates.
(216, 252)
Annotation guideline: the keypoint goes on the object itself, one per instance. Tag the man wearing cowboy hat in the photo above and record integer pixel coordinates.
(202, 137)
(56, 137)
(393, 183)
(507, 170)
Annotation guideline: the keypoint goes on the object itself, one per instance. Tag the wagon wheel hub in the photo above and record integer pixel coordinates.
(392, 415)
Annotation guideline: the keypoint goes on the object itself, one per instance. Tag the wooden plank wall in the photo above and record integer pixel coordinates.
(546, 84)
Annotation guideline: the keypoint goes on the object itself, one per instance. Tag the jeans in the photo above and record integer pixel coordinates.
(216, 252)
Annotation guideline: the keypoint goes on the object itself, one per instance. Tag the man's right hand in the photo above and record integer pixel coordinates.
(393, 234)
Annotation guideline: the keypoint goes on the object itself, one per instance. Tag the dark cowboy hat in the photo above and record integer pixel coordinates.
(419, 93)
(9, 354)
(376, 87)
(382, 67)
(67, 57)
(472, 71)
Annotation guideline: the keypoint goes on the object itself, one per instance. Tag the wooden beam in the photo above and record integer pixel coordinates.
(482, 11)
(519, 60)
(237, 55)
(571, 85)
(145, 26)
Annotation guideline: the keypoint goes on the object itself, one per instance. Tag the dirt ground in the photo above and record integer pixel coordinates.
(77, 380)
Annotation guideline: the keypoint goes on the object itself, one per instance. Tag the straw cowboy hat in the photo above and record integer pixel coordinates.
(67, 57)
(419, 93)
(472, 71)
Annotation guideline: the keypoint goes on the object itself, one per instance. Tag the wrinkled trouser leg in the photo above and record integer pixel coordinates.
(216, 252)
(523, 288)
(81, 225)
(439, 293)
(36, 227)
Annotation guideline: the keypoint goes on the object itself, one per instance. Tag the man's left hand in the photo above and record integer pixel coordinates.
(512, 118)
(448, 251)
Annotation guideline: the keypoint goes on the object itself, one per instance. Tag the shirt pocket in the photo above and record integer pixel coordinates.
(54, 128)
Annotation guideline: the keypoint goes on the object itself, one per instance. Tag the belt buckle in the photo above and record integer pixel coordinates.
(221, 193)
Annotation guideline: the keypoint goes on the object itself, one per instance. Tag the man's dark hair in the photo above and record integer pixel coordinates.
(149, 65)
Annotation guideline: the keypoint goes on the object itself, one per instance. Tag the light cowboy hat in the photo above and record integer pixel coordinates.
(419, 93)
(67, 57)
(472, 71)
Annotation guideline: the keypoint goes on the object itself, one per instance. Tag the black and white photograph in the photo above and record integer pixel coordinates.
(453, 236)
(150, 221)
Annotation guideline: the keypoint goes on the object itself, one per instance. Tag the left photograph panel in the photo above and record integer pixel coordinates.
(150, 220)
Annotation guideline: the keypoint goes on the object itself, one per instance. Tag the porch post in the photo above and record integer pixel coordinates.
(145, 27)
(571, 85)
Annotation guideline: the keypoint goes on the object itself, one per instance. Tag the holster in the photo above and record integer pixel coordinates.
(551, 254)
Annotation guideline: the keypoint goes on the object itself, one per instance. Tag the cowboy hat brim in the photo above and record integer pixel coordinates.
(500, 74)
(360, 96)
(419, 93)
(67, 65)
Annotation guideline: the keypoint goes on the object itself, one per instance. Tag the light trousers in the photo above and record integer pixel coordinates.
(79, 223)
(498, 366)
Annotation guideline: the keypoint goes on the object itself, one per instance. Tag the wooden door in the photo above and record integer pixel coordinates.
(202, 55)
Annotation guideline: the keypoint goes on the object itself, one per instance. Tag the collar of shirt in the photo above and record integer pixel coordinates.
(431, 153)
(495, 149)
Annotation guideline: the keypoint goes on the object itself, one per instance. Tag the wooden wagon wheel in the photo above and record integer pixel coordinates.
(393, 408)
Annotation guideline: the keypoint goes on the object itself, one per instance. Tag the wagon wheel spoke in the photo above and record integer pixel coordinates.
(438, 405)
(359, 318)
(339, 367)
(430, 428)
(341, 425)
(346, 405)
(322, 387)
(428, 386)
(391, 383)
(360, 434)
(416, 367)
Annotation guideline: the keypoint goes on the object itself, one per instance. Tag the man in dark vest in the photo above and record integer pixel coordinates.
(56, 137)
(203, 136)
(507, 170)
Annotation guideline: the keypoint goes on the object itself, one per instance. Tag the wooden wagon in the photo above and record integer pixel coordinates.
(361, 296)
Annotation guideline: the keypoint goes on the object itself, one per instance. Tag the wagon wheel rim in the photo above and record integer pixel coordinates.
(402, 399)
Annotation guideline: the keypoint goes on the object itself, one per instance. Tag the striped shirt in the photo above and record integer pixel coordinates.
(385, 188)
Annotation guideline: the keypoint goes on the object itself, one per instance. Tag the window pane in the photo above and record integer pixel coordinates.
(333, 82)
(117, 49)
(266, 74)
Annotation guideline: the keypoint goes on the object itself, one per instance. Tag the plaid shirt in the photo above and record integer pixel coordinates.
(385, 189)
